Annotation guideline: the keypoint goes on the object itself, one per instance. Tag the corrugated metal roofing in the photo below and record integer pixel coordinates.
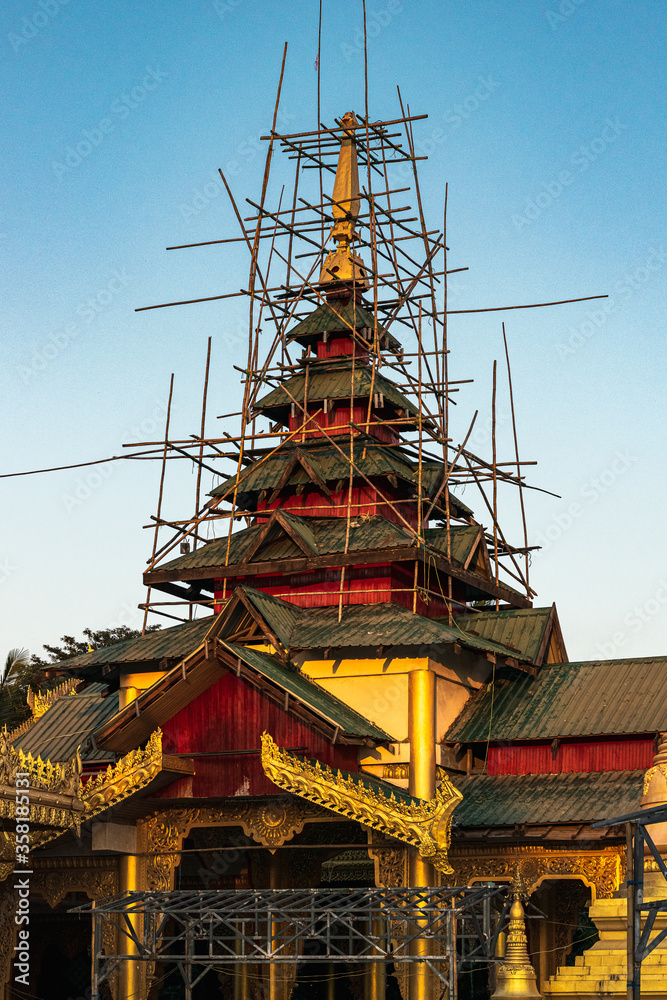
(168, 643)
(371, 625)
(574, 797)
(344, 317)
(323, 535)
(378, 460)
(597, 697)
(522, 628)
(280, 616)
(303, 689)
(334, 383)
(462, 540)
(68, 722)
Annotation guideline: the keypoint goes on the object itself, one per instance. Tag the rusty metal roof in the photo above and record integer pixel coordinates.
(326, 319)
(520, 628)
(66, 725)
(596, 697)
(574, 797)
(168, 643)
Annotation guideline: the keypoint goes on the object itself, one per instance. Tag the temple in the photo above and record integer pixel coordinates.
(360, 695)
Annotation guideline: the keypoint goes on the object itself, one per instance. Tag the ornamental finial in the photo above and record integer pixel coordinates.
(341, 264)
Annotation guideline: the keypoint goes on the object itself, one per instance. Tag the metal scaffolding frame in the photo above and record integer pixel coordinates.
(205, 929)
(637, 838)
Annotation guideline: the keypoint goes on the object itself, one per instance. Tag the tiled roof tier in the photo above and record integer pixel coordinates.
(334, 380)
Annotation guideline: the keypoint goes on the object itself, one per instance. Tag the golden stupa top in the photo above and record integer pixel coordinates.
(341, 263)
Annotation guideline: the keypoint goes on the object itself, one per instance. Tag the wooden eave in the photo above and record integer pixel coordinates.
(155, 578)
(134, 724)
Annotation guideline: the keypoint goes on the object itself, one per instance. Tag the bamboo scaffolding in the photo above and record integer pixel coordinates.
(406, 295)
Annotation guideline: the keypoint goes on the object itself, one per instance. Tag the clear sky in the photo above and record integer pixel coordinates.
(546, 117)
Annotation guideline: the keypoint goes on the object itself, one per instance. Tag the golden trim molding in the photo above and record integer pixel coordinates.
(421, 823)
(128, 775)
(602, 870)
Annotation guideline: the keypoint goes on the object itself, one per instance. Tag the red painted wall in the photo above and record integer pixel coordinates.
(337, 421)
(232, 715)
(589, 755)
(336, 347)
(375, 584)
(364, 500)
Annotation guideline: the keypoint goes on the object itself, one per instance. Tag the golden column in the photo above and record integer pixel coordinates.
(129, 972)
(421, 732)
(375, 972)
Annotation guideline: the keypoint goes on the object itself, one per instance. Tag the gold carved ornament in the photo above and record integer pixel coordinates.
(424, 824)
(131, 773)
(49, 820)
(41, 703)
(602, 870)
(61, 779)
(270, 824)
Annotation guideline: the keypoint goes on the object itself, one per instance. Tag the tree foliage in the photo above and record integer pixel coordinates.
(22, 671)
(95, 639)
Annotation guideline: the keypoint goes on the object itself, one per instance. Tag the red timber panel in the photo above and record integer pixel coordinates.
(337, 421)
(232, 715)
(363, 500)
(335, 347)
(402, 581)
(321, 588)
(585, 755)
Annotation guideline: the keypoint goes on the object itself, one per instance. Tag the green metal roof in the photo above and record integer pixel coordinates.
(462, 538)
(167, 643)
(574, 797)
(597, 697)
(280, 616)
(323, 535)
(67, 724)
(339, 381)
(302, 689)
(326, 319)
(522, 629)
(362, 625)
(371, 459)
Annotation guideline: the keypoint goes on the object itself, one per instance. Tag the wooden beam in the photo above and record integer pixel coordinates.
(393, 555)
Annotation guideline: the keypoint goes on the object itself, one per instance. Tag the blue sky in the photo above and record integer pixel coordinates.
(546, 118)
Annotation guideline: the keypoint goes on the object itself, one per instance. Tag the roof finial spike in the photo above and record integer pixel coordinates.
(346, 204)
(341, 264)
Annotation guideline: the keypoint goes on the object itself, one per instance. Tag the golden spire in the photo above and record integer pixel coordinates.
(516, 976)
(342, 264)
